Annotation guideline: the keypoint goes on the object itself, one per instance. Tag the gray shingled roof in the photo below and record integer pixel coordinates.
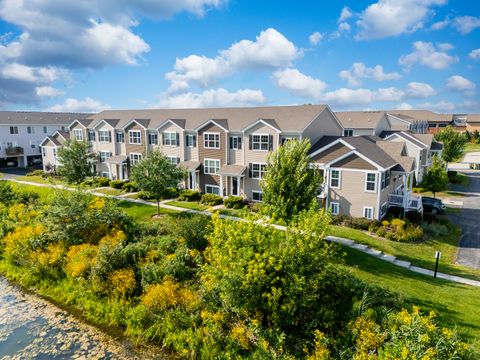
(417, 115)
(412, 139)
(38, 118)
(371, 151)
(324, 141)
(359, 119)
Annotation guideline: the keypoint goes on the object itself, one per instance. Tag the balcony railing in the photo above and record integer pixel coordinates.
(15, 150)
(407, 201)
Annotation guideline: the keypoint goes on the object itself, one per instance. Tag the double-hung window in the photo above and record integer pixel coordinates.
(211, 140)
(78, 134)
(212, 189)
(170, 138)
(191, 140)
(385, 179)
(91, 135)
(153, 138)
(104, 156)
(45, 129)
(235, 142)
(173, 160)
(348, 132)
(260, 142)
(335, 208)
(135, 137)
(335, 178)
(371, 182)
(135, 158)
(368, 212)
(104, 136)
(13, 130)
(120, 137)
(257, 196)
(211, 166)
(257, 170)
(30, 129)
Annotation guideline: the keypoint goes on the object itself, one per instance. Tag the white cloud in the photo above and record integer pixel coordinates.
(403, 106)
(466, 24)
(427, 54)
(441, 106)
(388, 94)
(344, 27)
(359, 71)
(270, 50)
(439, 25)
(345, 14)
(419, 90)
(387, 18)
(315, 38)
(48, 91)
(345, 96)
(475, 54)
(213, 98)
(460, 84)
(74, 105)
(298, 83)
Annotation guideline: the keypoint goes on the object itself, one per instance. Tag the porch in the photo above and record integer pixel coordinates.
(232, 181)
(117, 167)
(405, 200)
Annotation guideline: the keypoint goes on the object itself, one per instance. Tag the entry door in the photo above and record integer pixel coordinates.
(235, 186)
(191, 180)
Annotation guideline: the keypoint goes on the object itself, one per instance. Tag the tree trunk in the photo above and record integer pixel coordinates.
(158, 207)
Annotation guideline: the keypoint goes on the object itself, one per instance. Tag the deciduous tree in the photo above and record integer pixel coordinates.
(453, 144)
(76, 159)
(436, 178)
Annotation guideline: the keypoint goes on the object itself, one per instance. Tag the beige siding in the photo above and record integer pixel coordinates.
(260, 155)
(78, 126)
(324, 124)
(235, 156)
(361, 132)
(332, 153)
(135, 148)
(177, 151)
(205, 153)
(190, 153)
(104, 146)
(383, 125)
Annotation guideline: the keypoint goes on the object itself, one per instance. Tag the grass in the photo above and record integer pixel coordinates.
(442, 194)
(419, 254)
(240, 213)
(461, 179)
(40, 180)
(110, 191)
(469, 147)
(192, 205)
(142, 212)
(456, 304)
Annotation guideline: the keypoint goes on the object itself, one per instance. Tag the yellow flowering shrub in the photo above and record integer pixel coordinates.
(80, 259)
(123, 282)
(97, 203)
(320, 350)
(18, 243)
(112, 240)
(21, 213)
(368, 337)
(242, 335)
(168, 294)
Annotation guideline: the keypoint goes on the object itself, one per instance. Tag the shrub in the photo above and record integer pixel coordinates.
(116, 184)
(130, 186)
(189, 195)
(144, 195)
(193, 229)
(234, 202)
(411, 233)
(339, 219)
(102, 181)
(255, 207)
(168, 294)
(360, 223)
(26, 197)
(80, 259)
(123, 282)
(211, 199)
(435, 230)
(35, 173)
(418, 190)
(87, 182)
(7, 195)
(171, 193)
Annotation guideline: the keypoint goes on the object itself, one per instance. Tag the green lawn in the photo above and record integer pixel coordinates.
(142, 211)
(110, 191)
(192, 205)
(446, 194)
(241, 213)
(40, 180)
(469, 147)
(419, 254)
(456, 304)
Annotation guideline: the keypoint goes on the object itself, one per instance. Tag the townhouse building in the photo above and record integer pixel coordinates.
(357, 123)
(21, 134)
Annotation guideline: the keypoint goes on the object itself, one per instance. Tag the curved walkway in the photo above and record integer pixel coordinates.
(346, 242)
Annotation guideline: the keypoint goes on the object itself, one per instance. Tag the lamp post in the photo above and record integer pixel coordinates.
(437, 257)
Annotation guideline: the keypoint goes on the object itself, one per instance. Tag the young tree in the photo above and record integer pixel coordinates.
(453, 144)
(436, 178)
(155, 174)
(291, 182)
(76, 159)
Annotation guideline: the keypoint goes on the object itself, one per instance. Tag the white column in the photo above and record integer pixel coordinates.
(221, 185)
(238, 185)
(109, 170)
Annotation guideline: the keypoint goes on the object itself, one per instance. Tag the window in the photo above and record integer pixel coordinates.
(442, 125)
(45, 129)
(104, 136)
(288, 138)
(383, 209)
(212, 189)
(135, 137)
(54, 153)
(170, 138)
(91, 135)
(257, 195)
(191, 140)
(385, 179)
(13, 130)
(432, 125)
(235, 142)
(104, 155)
(211, 166)
(257, 170)
(78, 134)
(173, 160)
(371, 182)
(33, 145)
(260, 142)
(105, 174)
(368, 212)
(44, 152)
(120, 137)
(335, 178)
(153, 138)
(135, 158)
(335, 208)
(30, 130)
(348, 132)
(211, 140)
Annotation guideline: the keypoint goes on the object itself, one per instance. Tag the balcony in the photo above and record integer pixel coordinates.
(14, 151)
(407, 201)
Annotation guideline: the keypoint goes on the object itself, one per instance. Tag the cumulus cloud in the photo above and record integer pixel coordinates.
(213, 98)
(430, 55)
(359, 71)
(270, 50)
(387, 18)
(403, 106)
(315, 38)
(419, 90)
(460, 84)
(48, 91)
(345, 14)
(475, 54)
(440, 106)
(74, 105)
(466, 24)
(298, 83)
(439, 25)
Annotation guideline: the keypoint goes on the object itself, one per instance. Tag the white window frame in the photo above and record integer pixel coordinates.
(77, 134)
(261, 170)
(104, 136)
(383, 209)
(105, 174)
(257, 192)
(135, 158)
(173, 159)
(152, 136)
(104, 156)
(332, 178)
(192, 142)
(336, 205)
(169, 138)
(346, 132)
(369, 208)
(209, 166)
(33, 144)
(369, 182)
(207, 142)
(45, 129)
(13, 130)
(30, 129)
(119, 136)
(260, 142)
(208, 186)
(235, 142)
(135, 138)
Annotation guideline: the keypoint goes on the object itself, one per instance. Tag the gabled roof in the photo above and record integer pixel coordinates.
(177, 122)
(322, 142)
(426, 139)
(402, 135)
(223, 123)
(142, 122)
(83, 122)
(359, 119)
(49, 138)
(112, 122)
(39, 118)
(371, 151)
(419, 115)
(269, 122)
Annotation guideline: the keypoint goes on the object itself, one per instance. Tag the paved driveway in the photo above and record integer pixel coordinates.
(12, 172)
(469, 219)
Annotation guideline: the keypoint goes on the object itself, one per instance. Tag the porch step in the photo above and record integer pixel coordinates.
(405, 264)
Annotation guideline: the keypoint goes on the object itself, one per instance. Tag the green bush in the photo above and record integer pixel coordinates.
(171, 193)
(234, 202)
(35, 173)
(211, 199)
(418, 190)
(144, 195)
(339, 219)
(435, 230)
(88, 182)
(189, 195)
(130, 186)
(255, 207)
(102, 181)
(116, 184)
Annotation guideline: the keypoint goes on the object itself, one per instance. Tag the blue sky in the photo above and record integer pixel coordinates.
(385, 54)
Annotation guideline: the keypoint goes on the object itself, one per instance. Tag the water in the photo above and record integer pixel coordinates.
(32, 328)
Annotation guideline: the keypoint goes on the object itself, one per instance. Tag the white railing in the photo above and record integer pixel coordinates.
(409, 201)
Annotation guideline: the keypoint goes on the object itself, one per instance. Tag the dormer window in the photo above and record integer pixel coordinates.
(135, 137)
(78, 134)
(170, 138)
(348, 132)
(211, 140)
(261, 142)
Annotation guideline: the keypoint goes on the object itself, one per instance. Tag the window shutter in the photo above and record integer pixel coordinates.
(230, 140)
(194, 137)
(109, 136)
(239, 143)
(270, 142)
(178, 160)
(178, 138)
(249, 142)
(163, 138)
(250, 170)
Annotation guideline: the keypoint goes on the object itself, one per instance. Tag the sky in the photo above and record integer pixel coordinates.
(89, 55)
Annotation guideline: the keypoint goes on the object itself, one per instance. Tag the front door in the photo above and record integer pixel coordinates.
(191, 180)
(235, 186)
